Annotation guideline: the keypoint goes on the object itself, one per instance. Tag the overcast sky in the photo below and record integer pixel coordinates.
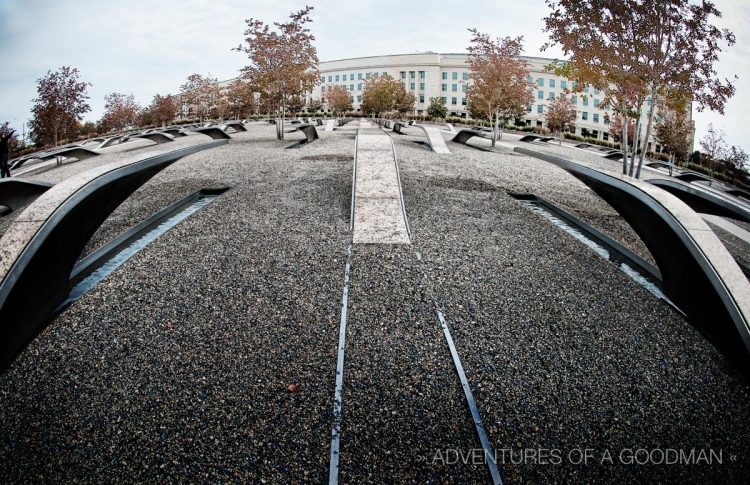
(150, 47)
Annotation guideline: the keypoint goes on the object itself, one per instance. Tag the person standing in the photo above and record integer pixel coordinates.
(4, 148)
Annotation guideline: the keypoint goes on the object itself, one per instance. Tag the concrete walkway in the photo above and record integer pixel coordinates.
(379, 215)
(727, 226)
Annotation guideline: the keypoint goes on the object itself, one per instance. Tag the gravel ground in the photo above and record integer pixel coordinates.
(402, 398)
(176, 367)
(562, 350)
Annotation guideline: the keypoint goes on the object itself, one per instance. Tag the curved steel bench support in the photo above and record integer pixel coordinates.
(16, 193)
(156, 137)
(695, 275)
(37, 282)
(213, 132)
(701, 201)
(237, 126)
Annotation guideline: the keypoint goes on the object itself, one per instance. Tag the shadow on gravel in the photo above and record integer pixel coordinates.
(459, 183)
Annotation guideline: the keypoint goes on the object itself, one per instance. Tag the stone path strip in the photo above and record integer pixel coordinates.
(730, 227)
(379, 214)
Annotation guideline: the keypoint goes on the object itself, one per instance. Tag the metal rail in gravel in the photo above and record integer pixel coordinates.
(333, 471)
(354, 182)
(483, 438)
(400, 192)
(97, 266)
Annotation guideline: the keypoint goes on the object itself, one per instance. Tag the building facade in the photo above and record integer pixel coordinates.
(430, 74)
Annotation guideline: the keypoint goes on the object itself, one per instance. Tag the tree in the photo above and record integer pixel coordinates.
(403, 101)
(736, 158)
(714, 146)
(200, 94)
(88, 128)
(437, 108)
(673, 134)
(59, 106)
(603, 47)
(120, 112)
(500, 89)
(338, 100)
(617, 130)
(163, 109)
(680, 48)
(314, 105)
(283, 64)
(381, 95)
(241, 98)
(561, 115)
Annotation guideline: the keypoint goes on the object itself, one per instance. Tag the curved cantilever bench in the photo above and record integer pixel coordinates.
(701, 201)
(16, 193)
(77, 152)
(698, 273)
(237, 126)
(692, 177)
(175, 132)
(213, 131)
(156, 137)
(40, 248)
(437, 143)
(311, 134)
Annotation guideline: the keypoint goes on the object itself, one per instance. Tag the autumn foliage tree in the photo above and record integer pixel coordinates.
(200, 93)
(163, 109)
(241, 98)
(283, 62)
(673, 133)
(499, 89)
(338, 99)
(633, 49)
(59, 106)
(561, 115)
(120, 112)
(382, 95)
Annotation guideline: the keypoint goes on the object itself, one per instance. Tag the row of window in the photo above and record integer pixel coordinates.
(342, 77)
(584, 114)
(573, 99)
(454, 76)
(454, 87)
(403, 75)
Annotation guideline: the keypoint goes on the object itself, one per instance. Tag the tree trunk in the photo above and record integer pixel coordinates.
(494, 131)
(637, 135)
(624, 143)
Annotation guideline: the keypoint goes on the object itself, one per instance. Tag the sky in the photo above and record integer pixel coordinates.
(151, 47)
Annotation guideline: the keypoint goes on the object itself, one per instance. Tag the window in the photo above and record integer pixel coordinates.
(551, 96)
(585, 115)
(574, 99)
(384, 73)
(377, 75)
(445, 75)
(465, 76)
(606, 120)
(421, 98)
(411, 86)
(337, 77)
(528, 108)
(351, 87)
(585, 89)
(329, 78)
(412, 74)
(463, 87)
(421, 74)
(540, 82)
(444, 87)
(572, 85)
(596, 103)
(359, 87)
(323, 88)
(552, 83)
(444, 99)
(563, 84)
(403, 74)
(359, 99)
(351, 77)
(596, 91)
(455, 77)
(529, 79)
(454, 88)
(596, 117)
(454, 101)
(359, 75)
(585, 101)
(322, 79)
(540, 108)
(367, 75)
(421, 86)
(540, 95)
(463, 101)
